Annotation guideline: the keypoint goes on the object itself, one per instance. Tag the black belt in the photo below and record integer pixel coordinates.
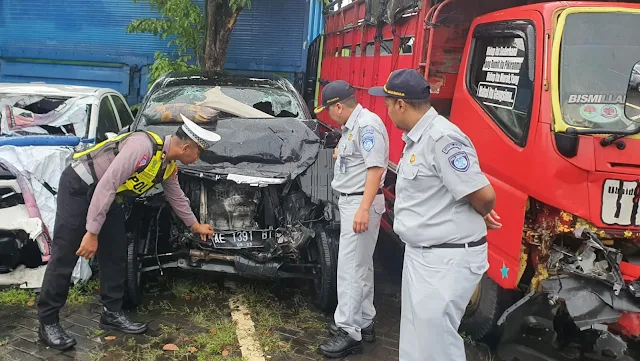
(358, 193)
(477, 243)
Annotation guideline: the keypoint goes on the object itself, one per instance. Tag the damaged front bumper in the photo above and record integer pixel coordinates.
(236, 264)
(584, 311)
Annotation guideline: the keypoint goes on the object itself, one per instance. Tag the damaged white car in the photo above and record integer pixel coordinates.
(41, 126)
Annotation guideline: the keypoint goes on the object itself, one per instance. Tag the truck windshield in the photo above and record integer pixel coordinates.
(598, 53)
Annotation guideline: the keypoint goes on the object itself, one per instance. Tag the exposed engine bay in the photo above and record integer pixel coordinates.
(578, 309)
(261, 223)
(268, 228)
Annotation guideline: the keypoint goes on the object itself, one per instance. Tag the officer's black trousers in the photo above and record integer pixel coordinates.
(70, 227)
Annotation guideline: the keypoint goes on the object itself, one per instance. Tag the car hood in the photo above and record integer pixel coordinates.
(269, 148)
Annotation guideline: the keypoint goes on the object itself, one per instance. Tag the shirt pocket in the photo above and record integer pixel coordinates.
(349, 149)
(409, 174)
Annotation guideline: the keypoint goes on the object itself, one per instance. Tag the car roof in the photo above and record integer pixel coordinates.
(52, 89)
(224, 78)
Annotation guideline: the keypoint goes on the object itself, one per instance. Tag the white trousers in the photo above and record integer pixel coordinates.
(437, 285)
(355, 266)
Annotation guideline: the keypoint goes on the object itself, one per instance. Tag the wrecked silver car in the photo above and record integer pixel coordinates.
(264, 187)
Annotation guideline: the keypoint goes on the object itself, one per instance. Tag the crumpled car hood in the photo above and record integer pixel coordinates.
(270, 148)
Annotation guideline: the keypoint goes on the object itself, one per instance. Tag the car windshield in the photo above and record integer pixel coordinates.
(210, 103)
(35, 114)
(599, 51)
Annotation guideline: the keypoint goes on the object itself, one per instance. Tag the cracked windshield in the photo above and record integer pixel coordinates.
(595, 68)
(209, 104)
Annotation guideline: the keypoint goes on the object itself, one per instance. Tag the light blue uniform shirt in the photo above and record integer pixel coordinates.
(438, 168)
(364, 144)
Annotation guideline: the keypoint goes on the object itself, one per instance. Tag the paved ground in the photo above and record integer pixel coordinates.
(194, 315)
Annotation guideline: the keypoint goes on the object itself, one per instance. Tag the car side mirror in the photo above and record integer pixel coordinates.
(331, 139)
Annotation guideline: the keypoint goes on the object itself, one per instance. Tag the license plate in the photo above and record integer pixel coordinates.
(241, 239)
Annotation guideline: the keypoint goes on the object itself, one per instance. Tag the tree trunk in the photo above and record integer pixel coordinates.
(220, 22)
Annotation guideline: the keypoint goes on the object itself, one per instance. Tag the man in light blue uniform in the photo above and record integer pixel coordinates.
(442, 197)
(362, 157)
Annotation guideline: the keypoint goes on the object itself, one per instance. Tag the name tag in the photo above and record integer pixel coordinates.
(342, 164)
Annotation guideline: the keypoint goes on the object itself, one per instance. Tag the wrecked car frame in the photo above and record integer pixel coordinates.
(264, 187)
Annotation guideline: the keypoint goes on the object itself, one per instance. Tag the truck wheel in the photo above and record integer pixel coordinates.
(484, 309)
(133, 283)
(325, 295)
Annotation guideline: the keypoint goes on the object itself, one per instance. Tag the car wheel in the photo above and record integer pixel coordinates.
(133, 283)
(484, 309)
(325, 251)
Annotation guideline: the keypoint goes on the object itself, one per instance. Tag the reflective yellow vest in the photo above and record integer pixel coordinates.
(145, 177)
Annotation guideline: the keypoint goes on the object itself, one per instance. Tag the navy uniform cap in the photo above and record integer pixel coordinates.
(403, 84)
(335, 92)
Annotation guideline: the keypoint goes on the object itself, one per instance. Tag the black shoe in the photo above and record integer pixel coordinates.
(341, 345)
(120, 322)
(368, 333)
(54, 336)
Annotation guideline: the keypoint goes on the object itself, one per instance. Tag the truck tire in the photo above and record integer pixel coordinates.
(324, 288)
(485, 308)
(133, 282)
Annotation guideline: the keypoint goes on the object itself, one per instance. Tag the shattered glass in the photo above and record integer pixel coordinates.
(208, 103)
(28, 114)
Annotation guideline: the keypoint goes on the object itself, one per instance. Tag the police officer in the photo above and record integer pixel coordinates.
(442, 197)
(88, 220)
(361, 163)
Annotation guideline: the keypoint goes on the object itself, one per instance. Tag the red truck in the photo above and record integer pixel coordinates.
(548, 92)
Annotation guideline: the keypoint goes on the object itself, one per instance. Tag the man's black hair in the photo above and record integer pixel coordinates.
(350, 102)
(417, 103)
(183, 136)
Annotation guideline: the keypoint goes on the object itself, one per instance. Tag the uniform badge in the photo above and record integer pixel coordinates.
(459, 161)
(368, 142)
(143, 161)
(412, 159)
(350, 137)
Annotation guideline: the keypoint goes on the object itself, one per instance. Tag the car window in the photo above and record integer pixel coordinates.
(106, 120)
(500, 79)
(123, 111)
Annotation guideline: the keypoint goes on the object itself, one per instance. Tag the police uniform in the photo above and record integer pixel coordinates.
(364, 144)
(445, 246)
(121, 167)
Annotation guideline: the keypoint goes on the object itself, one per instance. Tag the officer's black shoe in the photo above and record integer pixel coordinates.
(120, 322)
(54, 336)
(368, 333)
(341, 345)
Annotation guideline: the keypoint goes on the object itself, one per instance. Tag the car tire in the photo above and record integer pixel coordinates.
(485, 308)
(133, 283)
(324, 289)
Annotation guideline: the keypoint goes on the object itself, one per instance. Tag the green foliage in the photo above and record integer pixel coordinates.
(183, 22)
(235, 4)
(163, 64)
